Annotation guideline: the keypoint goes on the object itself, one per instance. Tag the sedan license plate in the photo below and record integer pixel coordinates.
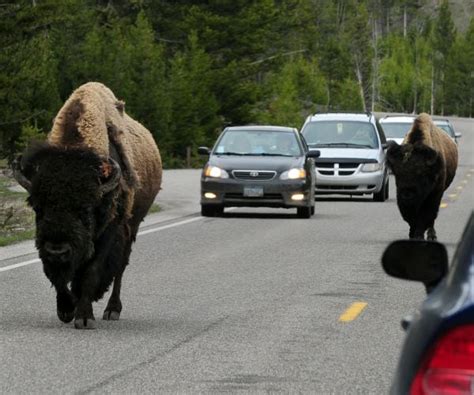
(253, 191)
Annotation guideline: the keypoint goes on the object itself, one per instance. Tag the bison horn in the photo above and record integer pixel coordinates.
(19, 176)
(112, 173)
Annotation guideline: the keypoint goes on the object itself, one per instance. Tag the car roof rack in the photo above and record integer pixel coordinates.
(400, 115)
(369, 113)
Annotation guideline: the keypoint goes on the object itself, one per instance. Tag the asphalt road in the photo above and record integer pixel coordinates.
(252, 302)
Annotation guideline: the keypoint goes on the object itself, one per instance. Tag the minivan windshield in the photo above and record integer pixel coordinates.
(257, 142)
(350, 134)
(446, 128)
(396, 130)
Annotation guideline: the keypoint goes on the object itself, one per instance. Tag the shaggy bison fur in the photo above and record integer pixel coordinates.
(90, 185)
(424, 166)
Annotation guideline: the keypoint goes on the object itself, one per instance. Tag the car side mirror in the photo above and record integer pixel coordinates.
(458, 135)
(314, 153)
(203, 151)
(384, 145)
(416, 260)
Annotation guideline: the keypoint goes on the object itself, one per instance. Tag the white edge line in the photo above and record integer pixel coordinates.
(145, 232)
(5, 268)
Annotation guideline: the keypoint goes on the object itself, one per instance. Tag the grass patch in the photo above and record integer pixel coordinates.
(17, 220)
(155, 208)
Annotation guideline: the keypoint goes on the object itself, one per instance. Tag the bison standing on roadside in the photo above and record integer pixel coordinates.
(424, 166)
(90, 185)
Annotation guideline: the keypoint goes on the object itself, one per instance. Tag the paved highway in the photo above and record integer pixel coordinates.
(257, 301)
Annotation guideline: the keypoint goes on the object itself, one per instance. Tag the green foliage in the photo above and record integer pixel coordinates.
(460, 75)
(28, 134)
(193, 115)
(293, 93)
(186, 69)
(347, 96)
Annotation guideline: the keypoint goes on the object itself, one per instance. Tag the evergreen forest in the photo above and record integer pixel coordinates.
(188, 68)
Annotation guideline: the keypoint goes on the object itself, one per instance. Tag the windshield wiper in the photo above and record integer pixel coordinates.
(267, 154)
(341, 145)
(251, 154)
(230, 153)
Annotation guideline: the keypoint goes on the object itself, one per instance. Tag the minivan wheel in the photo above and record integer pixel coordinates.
(312, 210)
(383, 194)
(303, 212)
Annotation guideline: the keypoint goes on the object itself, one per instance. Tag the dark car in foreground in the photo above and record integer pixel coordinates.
(258, 166)
(438, 353)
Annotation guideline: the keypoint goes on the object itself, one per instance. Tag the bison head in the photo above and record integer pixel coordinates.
(417, 169)
(70, 191)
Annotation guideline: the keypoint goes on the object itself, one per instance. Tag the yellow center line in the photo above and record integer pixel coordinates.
(453, 196)
(464, 181)
(459, 187)
(352, 312)
(443, 205)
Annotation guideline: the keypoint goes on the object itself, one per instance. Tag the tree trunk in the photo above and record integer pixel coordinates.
(361, 86)
(432, 89)
(405, 21)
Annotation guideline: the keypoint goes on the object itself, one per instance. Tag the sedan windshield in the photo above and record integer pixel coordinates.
(396, 130)
(349, 134)
(256, 143)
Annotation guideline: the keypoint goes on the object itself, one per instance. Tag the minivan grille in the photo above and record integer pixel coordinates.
(254, 175)
(335, 169)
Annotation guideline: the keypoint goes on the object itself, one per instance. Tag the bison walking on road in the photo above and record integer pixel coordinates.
(90, 185)
(424, 166)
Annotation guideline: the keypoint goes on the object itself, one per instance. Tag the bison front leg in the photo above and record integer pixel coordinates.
(84, 316)
(65, 305)
(431, 235)
(85, 287)
(114, 305)
(65, 299)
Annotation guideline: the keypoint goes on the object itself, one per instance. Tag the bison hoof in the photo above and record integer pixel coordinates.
(85, 323)
(111, 315)
(65, 316)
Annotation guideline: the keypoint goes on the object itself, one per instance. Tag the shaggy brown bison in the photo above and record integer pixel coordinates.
(424, 166)
(90, 185)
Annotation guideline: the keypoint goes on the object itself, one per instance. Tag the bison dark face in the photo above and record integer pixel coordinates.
(416, 169)
(68, 192)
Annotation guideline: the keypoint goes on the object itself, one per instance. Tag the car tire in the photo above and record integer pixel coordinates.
(303, 212)
(312, 210)
(211, 210)
(382, 196)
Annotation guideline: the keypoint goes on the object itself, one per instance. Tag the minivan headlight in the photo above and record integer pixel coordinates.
(215, 172)
(293, 174)
(370, 167)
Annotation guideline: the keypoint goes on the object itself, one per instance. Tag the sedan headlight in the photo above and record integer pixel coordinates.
(215, 172)
(293, 174)
(370, 167)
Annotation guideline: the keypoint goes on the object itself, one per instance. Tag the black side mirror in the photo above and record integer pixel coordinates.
(384, 146)
(416, 260)
(313, 153)
(203, 151)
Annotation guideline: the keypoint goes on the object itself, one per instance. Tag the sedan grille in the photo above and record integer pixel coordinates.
(254, 175)
(266, 196)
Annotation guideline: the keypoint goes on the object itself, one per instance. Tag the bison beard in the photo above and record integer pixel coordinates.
(88, 206)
